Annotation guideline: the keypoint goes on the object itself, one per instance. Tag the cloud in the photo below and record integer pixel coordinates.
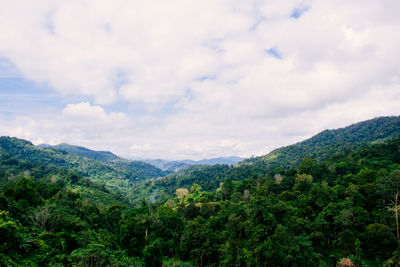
(86, 122)
(85, 112)
(7, 69)
(79, 47)
(201, 78)
(80, 123)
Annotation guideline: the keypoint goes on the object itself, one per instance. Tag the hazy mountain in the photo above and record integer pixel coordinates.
(178, 165)
(213, 161)
(169, 166)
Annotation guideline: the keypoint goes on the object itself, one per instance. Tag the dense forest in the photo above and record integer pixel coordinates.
(117, 174)
(338, 211)
(329, 142)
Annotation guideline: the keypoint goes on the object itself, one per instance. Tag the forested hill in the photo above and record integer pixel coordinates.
(142, 170)
(337, 212)
(103, 156)
(320, 147)
(49, 181)
(120, 174)
(330, 142)
(321, 213)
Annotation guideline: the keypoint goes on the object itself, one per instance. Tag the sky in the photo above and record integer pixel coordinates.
(183, 79)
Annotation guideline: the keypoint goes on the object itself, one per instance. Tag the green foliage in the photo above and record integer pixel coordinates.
(102, 156)
(330, 142)
(116, 174)
(305, 155)
(379, 241)
(245, 215)
(9, 231)
(92, 255)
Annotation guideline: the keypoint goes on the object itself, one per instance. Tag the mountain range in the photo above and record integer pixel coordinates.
(164, 165)
(327, 200)
(136, 178)
(317, 148)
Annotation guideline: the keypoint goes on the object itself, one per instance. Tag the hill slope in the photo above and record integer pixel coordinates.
(141, 169)
(52, 179)
(319, 147)
(117, 175)
(330, 142)
(103, 156)
(339, 210)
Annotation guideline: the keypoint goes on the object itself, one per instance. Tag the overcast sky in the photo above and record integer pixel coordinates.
(178, 79)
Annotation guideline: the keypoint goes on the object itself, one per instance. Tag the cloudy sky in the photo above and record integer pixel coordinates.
(179, 79)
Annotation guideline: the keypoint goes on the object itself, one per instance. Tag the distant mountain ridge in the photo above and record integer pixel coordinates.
(103, 156)
(125, 174)
(177, 165)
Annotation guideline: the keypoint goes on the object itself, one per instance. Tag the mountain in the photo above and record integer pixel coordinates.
(50, 180)
(319, 147)
(178, 165)
(142, 169)
(330, 142)
(124, 175)
(213, 161)
(168, 166)
(103, 156)
(339, 211)
(115, 172)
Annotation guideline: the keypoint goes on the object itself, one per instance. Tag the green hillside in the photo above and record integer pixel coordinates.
(51, 180)
(117, 176)
(142, 170)
(339, 210)
(330, 142)
(103, 156)
(319, 147)
(331, 201)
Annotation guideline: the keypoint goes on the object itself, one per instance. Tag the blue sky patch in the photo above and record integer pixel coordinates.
(273, 52)
(23, 96)
(298, 12)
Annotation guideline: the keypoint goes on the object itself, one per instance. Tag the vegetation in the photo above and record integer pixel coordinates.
(320, 147)
(314, 215)
(103, 156)
(118, 175)
(330, 142)
(339, 211)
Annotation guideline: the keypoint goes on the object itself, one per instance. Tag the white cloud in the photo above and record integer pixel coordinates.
(86, 112)
(199, 71)
(80, 123)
